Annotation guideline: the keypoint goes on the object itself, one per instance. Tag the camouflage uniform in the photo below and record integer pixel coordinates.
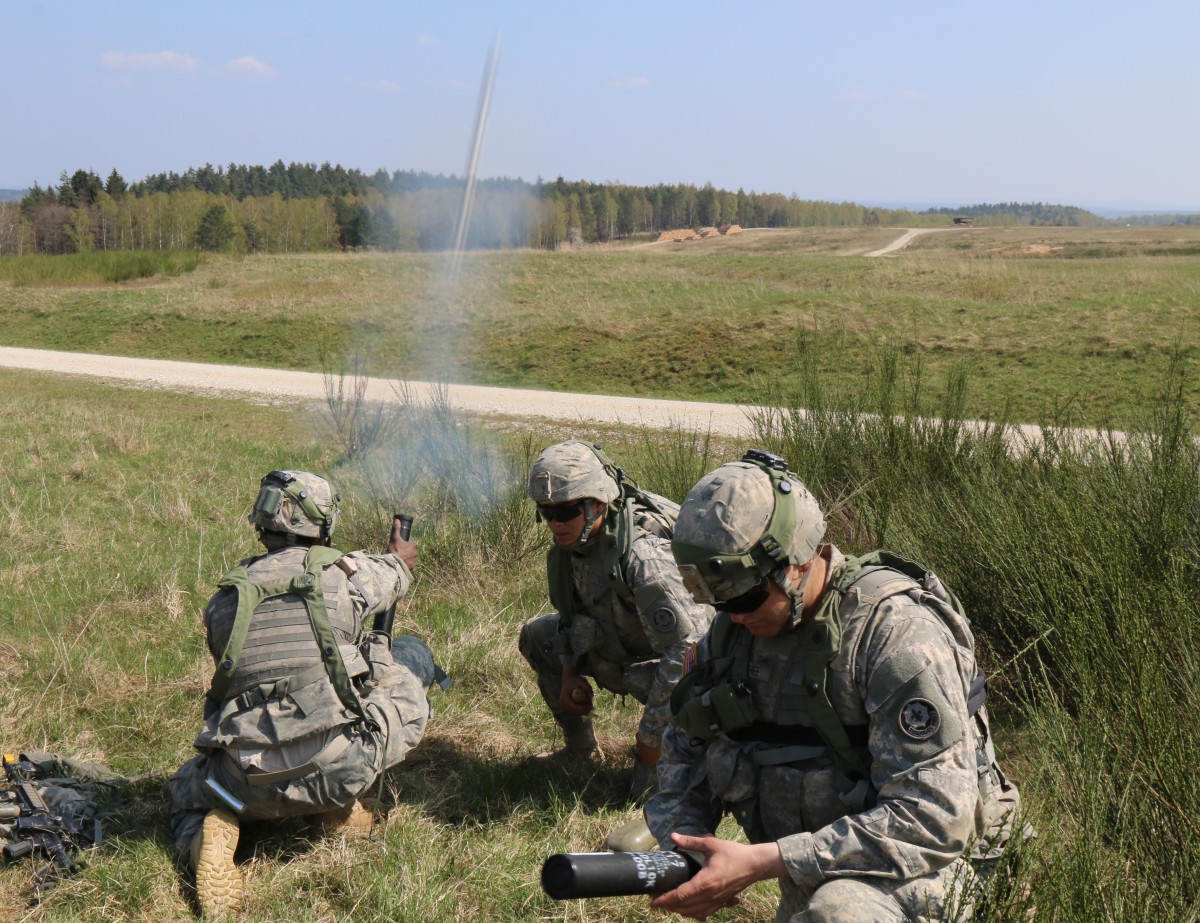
(631, 646)
(323, 755)
(900, 681)
(841, 721)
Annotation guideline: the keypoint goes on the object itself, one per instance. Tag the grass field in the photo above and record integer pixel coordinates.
(1078, 564)
(129, 505)
(1066, 324)
(1079, 569)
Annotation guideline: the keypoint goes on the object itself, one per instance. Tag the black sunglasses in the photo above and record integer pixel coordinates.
(562, 512)
(748, 601)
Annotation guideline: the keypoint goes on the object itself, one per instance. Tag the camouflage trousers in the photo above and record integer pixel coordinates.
(397, 703)
(537, 646)
(942, 897)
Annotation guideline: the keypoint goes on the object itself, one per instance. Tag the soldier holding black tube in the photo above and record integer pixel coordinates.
(307, 706)
(835, 709)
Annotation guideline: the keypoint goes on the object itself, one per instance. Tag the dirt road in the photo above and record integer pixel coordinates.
(588, 410)
(273, 384)
(904, 240)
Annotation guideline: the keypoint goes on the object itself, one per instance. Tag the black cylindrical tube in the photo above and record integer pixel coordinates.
(405, 525)
(568, 876)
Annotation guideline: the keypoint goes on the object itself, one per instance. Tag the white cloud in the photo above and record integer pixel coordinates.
(618, 81)
(174, 60)
(250, 66)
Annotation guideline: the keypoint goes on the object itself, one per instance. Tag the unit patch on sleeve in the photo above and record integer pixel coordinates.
(664, 620)
(919, 719)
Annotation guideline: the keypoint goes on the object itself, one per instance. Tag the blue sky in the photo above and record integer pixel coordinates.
(1090, 103)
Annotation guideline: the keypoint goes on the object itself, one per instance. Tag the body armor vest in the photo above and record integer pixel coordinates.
(611, 601)
(787, 705)
(283, 638)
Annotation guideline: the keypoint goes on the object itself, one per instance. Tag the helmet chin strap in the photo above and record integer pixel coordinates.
(590, 517)
(792, 587)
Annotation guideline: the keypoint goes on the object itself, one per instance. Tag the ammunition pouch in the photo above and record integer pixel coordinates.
(720, 712)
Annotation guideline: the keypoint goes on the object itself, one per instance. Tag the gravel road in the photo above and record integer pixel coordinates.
(273, 384)
(904, 240)
(587, 410)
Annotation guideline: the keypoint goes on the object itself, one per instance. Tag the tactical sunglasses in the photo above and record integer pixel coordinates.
(562, 512)
(752, 599)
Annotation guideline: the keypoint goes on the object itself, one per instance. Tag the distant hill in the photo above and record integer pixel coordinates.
(13, 195)
(1034, 213)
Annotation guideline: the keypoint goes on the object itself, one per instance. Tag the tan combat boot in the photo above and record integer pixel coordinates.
(354, 820)
(631, 836)
(219, 883)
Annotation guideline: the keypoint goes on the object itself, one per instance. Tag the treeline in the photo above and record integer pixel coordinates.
(1038, 214)
(1157, 220)
(305, 207)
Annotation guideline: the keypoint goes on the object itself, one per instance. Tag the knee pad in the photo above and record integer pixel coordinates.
(414, 654)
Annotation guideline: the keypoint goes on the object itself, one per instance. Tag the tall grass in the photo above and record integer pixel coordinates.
(1079, 562)
(97, 266)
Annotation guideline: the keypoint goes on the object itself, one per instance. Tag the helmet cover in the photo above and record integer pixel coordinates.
(297, 503)
(741, 523)
(570, 471)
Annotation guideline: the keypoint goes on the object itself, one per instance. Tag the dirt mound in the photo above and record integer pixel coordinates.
(680, 234)
(689, 234)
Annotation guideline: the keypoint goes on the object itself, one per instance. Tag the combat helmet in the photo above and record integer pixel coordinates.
(572, 471)
(744, 522)
(296, 504)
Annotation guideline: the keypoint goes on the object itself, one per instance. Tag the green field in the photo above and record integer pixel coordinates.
(1078, 565)
(1066, 324)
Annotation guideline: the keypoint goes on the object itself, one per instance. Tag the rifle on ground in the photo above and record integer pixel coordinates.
(568, 876)
(33, 828)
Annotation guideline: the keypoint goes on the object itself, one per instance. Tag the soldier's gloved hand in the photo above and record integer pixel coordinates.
(575, 696)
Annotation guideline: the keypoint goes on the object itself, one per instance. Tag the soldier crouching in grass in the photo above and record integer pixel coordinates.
(836, 711)
(306, 709)
(623, 615)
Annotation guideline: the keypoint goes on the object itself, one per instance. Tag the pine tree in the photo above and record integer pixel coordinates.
(215, 230)
(115, 185)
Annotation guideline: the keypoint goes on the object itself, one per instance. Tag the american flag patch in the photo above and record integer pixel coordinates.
(690, 658)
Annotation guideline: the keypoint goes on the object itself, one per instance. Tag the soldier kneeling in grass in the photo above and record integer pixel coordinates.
(306, 709)
(623, 616)
(835, 709)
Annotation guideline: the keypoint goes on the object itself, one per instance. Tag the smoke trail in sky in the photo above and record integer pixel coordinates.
(481, 115)
(458, 472)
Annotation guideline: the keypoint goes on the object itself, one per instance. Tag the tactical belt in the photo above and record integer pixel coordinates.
(795, 734)
(261, 694)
